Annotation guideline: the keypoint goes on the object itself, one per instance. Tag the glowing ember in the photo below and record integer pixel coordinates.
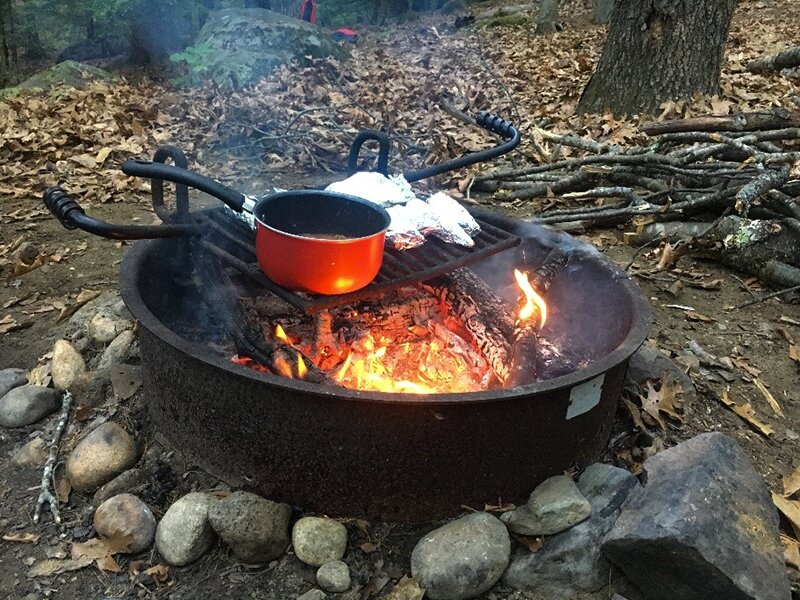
(534, 303)
(246, 361)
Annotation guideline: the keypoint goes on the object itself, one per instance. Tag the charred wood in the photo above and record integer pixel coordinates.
(242, 323)
(485, 316)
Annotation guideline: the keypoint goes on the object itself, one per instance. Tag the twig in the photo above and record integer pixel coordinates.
(766, 297)
(46, 496)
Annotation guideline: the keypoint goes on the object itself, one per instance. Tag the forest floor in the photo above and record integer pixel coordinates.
(398, 78)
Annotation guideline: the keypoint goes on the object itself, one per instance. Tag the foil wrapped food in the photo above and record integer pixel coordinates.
(443, 203)
(376, 188)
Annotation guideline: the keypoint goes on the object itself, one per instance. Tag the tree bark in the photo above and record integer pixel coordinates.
(547, 21)
(658, 50)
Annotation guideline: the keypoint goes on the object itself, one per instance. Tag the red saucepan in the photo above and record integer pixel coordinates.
(306, 240)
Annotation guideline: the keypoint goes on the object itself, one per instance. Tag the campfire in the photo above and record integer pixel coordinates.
(452, 334)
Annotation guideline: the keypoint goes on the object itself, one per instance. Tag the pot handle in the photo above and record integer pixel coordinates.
(383, 151)
(72, 216)
(158, 170)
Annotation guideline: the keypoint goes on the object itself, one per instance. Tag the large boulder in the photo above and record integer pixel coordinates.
(69, 73)
(702, 527)
(239, 46)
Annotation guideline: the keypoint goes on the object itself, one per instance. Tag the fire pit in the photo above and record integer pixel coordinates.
(304, 405)
(396, 456)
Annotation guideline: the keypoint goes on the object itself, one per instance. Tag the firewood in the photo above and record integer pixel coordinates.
(525, 349)
(485, 316)
(241, 322)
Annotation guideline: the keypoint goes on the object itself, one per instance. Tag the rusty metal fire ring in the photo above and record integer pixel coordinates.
(370, 454)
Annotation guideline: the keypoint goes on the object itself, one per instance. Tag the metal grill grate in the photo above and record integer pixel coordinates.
(233, 244)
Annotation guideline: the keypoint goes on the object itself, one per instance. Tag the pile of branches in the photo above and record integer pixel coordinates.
(724, 186)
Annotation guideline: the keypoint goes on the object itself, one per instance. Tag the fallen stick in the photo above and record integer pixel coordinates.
(47, 495)
(754, 121)
(782, 60)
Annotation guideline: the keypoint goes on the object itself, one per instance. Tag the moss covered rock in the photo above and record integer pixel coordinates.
(69, 72)
(238, 47)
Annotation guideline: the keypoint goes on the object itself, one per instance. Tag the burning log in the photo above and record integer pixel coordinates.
(485, 316)
(532, 317)
(242, 323)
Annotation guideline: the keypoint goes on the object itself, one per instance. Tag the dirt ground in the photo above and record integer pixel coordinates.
(754, 337)
(92, 263)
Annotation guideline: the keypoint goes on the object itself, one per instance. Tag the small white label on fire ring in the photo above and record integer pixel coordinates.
(585, 397)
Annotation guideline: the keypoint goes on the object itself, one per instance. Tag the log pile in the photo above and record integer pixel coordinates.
(737, 174)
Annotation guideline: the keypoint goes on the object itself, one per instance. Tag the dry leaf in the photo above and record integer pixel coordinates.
(102, 155)
(406, 589)
(159, 573)
(22, 538)
(635, 413)
(791, 483)
(63, 489)
(746, 412)
(54, 566)
(790, 509)
(693, 315)
(368, 547)
(102, 551)
(666, 399)
(769, 397)
(791, 551)
(9, 324)
(742, 363)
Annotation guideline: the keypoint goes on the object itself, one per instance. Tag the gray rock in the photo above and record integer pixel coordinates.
(32, 454)
(123, 516)
(105, 303)
(67, 365)
(648, 364)
(184, 532)
(463, 558)
(69, 73)
(27, 404)
(317, 540)
(702, 527)
(103, 327)
(334, 577)
(104, 453)
(314, 594)
(249, 43)
(122, 311)
(256, 529)
(555, 505)
(118, 350)
(11, 378)
(91, 390)
(571, 562)
(127, 481)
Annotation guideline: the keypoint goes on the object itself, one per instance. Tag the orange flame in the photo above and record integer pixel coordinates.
(534, 303)
(281, 335)
(301, 367)
(283, 367)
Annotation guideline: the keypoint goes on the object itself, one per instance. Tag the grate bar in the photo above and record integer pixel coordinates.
(399, 269)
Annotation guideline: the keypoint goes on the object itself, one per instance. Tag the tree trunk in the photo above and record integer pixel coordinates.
(658, 50)
(602, 11)
(547, 20)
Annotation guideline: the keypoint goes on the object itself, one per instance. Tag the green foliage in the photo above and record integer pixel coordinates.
(199, 61)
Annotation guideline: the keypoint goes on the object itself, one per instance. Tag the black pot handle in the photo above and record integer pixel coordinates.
(72, 216)
(383, 151)
(157, 170)
(489, 122)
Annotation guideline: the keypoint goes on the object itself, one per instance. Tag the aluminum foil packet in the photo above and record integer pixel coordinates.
(441, 223)
(444, 203)
(403, 233)
(376, 188)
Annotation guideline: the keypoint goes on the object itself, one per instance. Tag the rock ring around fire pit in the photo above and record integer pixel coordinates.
(394, 456)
